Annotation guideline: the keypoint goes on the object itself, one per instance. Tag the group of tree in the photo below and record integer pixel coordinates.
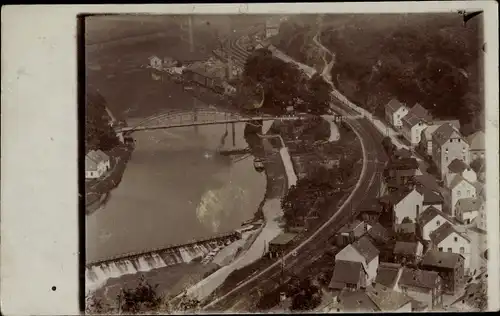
(284, 84)
(310, 194)
(144, 298)
(431, 59)
(99, 133)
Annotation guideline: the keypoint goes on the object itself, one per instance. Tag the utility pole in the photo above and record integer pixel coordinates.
(190, 30)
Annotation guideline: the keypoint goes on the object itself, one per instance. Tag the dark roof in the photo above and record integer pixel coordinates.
(394, 105)
(357, 301)
(419, 278)
(470, 204)
(418, 306)
(372, 205)
(457, 166)
(379, 234)
(402, 153)
(408, 228)
(387, 273)
(416, 114)
(443, 133)
(441, 259)
(283, 239)
(406, 248)
(386, 298)
(396, 196)
(444, 231)
(345, 272)
(429, 214)
(403, 164)
(431, 197)
(349, 227)
(366, 248)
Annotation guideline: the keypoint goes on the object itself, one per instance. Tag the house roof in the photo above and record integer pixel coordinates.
(470, 204)
(283, 239)
(379, 234)
(419, 278)
(406, 248)
(476, 141)
(457, 179)
(372, 205)
(416, 114)
(403, 164)
(90, 164)
(366, 248)
(431, 197)
(408, 228)
(444, 231)
(457, 166)
(349, 227)
(93, 158)
(428, 131)
(387, 273)
(402, 153)
(345, 272)
(443, 133)
(441, 259)
(429, 214)
(386, 299)
(357, 301)
(454, 123)
(397, 196)
(393, 105)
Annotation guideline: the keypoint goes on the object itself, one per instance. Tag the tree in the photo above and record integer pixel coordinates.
(98, 132)
(143, 298)
(308, 298)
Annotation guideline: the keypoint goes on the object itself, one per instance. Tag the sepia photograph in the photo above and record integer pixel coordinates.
(252, 163)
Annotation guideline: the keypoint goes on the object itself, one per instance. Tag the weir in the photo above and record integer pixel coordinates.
(99, 272)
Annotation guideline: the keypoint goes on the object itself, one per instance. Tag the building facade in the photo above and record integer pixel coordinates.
(468, 209)
(460, 189)
(430, 220)
(394, 112)
(97, 163)
(476, 145)
(449, 266)
(447, 145)
(413, 123)
(447, 239)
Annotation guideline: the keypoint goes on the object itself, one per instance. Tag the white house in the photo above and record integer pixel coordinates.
(156, 62)
(394, 112)
(426, 139)
(414, 123)
(460, 188)
(477, 146)
(458, 167)
(96, 164)
(468, 209)
(447, 145)
(447, 239)
(362, 251)
(430, 220)
(422, 285)
(407, 203)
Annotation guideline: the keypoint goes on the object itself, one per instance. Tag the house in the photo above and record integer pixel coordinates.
(350, 232)
(382, 239)
(362, 251)
(389, 300)
(388, 274)
(96, 164)
(408, 252)
(448, 238)
(348, 275)
(447, 145)
(414, 123)
(458, 167)
(481, 219)
(431, 198)
(468, 209)
(370, 211)
(402, 153)
(403, 170)
(394, 112)
(426, 139)
(279, 244)
(450, 267)
(422, 285)
(476, 145)
(406, 204)
(430, 220)
(460, 188)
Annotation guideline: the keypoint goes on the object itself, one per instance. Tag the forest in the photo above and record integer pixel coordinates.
(433, 59)
(99, 134)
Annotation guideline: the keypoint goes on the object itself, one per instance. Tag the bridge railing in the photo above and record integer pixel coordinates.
(131, 255)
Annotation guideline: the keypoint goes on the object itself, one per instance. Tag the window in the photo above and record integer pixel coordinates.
(458, 193)
(462, 250)
(438, 223)
(446, 158)
(468, 192)
(456, 239)
(451, 140)
(449, 250)
(440, 248)
(459, 140)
